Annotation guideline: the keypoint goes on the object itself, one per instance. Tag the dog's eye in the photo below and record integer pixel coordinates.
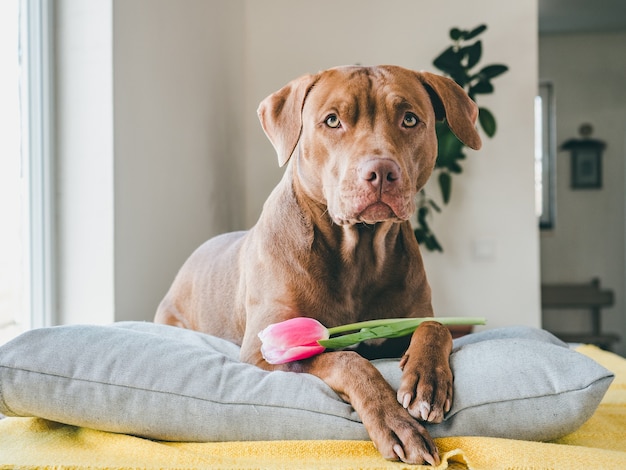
(332, 121)
(410, 120)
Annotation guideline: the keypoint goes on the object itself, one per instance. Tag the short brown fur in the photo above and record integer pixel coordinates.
(334, 242)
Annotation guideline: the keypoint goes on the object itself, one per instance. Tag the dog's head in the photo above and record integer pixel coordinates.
(363, 138)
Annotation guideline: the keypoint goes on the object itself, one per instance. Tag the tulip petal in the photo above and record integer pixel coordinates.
(281, 356)
(292, 340)
(294, 332)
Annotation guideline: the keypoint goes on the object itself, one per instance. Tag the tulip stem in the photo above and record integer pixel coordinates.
(373, 323)
(387, 328)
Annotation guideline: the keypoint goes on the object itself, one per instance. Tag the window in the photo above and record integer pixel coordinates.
(26, 290)
(545, 154)
(36, 111)
(11, 272)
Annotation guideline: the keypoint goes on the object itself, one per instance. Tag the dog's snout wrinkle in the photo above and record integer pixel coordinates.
(379, 172)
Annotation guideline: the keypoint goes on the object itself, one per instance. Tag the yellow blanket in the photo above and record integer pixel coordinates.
(28, 443)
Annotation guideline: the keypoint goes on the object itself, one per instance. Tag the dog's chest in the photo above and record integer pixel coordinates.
(366, 283)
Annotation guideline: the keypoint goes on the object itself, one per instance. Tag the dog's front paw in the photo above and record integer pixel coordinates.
(426, 388)
(398, 436)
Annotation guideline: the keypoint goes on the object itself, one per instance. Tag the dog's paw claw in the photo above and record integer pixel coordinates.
(406, 400)
(399, 451)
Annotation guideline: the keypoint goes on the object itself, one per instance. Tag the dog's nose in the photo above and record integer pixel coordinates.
(379, 172)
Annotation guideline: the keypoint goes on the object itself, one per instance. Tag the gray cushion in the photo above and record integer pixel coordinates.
(168, 383)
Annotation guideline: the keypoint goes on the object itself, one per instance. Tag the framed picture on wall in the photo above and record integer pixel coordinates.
(586, 167)
(586, 159)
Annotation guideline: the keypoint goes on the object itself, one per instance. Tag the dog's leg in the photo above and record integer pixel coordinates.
(168, 314)
(394, 432)
(426, 387)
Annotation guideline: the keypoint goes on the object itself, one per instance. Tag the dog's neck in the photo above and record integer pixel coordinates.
(368, 240)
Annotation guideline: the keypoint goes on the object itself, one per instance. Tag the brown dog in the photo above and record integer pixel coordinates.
(334, 242)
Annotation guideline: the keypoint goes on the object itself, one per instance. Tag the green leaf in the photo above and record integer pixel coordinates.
(487, 121)
(456, 34)
(388, 328)
(423, 234)
(392, 330)
(481, 87)
(454, 167)
(445, 184)
(473, 54)
(432, 244)
(420, 235)
(460, 76)
(450, 148)
(422, 213)
(475, 32)
(344, 340)
(449, 61)
(434, 205)
(492, 71)
(360, 326)
(448, 144)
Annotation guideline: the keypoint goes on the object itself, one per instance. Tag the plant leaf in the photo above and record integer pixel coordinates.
(431, 243)
(445, 184)
(492, 71)
(481, 87)
(475, 32)
(393, 330)
(345, 340)
(456, 34)
(434, 244)
(487, 121)
(460, 76)
(420, 235)
(454, 167)
(449, 61)
(422, 213)
(423, 234)
(449, 146)
(389, 328)
(434, 205)
(473, 53)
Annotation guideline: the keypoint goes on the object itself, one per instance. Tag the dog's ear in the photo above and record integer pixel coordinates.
(451, 102)
(281, 115)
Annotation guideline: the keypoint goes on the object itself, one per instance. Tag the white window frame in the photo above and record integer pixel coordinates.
(36, 96)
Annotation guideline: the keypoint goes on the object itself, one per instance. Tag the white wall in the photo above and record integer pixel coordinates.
(493, 200)
(588, 72)
(149, 138)
(84, 161)
(177, 88)
(189, 158)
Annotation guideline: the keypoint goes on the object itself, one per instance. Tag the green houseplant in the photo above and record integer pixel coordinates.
(458, 62)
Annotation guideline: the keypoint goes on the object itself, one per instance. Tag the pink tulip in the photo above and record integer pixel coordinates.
(292, 340)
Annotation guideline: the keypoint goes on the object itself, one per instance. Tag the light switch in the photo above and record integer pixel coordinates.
(484, 249)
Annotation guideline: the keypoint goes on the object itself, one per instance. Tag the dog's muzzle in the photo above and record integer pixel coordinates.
(377, 193)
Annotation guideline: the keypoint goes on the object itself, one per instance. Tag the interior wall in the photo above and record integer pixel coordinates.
(588, 72)
(189, 158)
(490, 266)
(149, 124)
(177, 81)
(84, 161)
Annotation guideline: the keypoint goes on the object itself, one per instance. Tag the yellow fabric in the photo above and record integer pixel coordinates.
(28, 443)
